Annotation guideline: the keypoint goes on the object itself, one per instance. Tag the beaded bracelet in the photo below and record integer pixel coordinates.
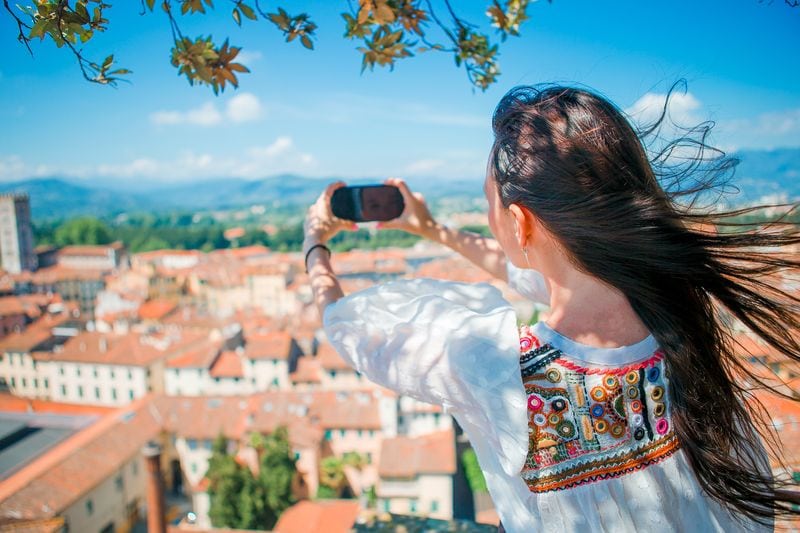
(312, 248)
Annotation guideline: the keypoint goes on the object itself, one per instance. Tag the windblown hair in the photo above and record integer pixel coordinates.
(611, 194)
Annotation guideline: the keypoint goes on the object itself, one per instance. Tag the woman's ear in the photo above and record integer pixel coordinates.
(523, 224)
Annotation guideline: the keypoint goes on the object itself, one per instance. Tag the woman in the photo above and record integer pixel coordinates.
(623, 410)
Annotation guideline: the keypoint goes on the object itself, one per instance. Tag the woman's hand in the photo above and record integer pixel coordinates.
(321, 224)
(416, 218)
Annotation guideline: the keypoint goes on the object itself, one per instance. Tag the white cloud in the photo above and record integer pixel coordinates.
(279, 146)
(247, 57)
(768, 130)
(683, 108)
(423, 166)
(242, 107)
(278, 157)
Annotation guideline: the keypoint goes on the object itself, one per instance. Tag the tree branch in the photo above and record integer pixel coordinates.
(20, 25)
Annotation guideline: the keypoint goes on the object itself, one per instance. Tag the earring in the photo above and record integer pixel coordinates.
(525, 252)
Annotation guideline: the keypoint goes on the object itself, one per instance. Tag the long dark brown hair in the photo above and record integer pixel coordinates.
(614, 195)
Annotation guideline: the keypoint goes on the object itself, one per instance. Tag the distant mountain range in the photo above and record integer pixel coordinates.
(760, 174)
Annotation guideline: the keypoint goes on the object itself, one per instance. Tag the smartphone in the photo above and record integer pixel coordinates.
(367, 203)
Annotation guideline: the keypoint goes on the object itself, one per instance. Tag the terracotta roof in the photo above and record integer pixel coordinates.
(44, 525)
(156, 309)
(329, 359)
(454, 268)
(785, 415)
(271, 345)
(346, 409)
(89, 250)
(406, 457)
(55, 273)
(14, 404)
(48, 485)
(307, 371)
(131, 349)
(27, 340)
(227, 365)
(320, 516)
(201, 355)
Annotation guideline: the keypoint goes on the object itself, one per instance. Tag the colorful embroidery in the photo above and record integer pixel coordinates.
(591, 423)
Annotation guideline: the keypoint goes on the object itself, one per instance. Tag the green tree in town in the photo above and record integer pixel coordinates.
(226, 482)
(277, 470)
(332, 480)
(475, 479)
(82, 230)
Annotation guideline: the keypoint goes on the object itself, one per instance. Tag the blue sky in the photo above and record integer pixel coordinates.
(314, 114)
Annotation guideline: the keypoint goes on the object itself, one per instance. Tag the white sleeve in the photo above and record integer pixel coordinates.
(442, 342)
(528, 283)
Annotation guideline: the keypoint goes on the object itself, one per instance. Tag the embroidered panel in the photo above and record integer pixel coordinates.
(586, 424)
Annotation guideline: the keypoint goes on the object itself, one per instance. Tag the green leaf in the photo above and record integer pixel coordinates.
(151, 4)
(247, 11)
(237, 17)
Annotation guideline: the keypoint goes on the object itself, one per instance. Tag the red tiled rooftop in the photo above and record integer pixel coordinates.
(406, 457)
(14, 404)
(270, 345)
(320, 516)
(156, 309)
(47, 486)
(307, 371)
(227, 365)
(89, 250)
(329, 359)
(128, 349)
(201, 355)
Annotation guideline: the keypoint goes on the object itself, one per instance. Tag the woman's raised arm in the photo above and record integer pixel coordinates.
(482, 251)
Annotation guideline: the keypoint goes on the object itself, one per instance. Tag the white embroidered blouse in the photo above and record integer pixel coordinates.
(569, 436)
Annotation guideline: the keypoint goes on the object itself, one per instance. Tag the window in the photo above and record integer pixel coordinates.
(333, 374)
(112, 373)
(412, 505)
(94, 371)
(78, 371)
(130, 374)
(63, 390)
(360, 433)
(89, 507)
(97, 393)
(46, 383)
(371, 432)
(130, 394)
(434, 506)
(327, 433)
(387, 506)
(24, 382)
(369, 457)
(342, 433)
(192, 443)
(118, 483)
(13, 382)
(113, 394)
(80, 391)
(296, 456)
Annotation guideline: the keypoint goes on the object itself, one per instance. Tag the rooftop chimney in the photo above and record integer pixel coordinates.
(156, 521)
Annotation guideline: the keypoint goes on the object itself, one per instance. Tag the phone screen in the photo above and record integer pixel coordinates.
(367, 203)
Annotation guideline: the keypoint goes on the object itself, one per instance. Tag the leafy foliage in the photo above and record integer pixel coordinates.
(83, 230)
(388, 30)
(239, 499)
(475, 479)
